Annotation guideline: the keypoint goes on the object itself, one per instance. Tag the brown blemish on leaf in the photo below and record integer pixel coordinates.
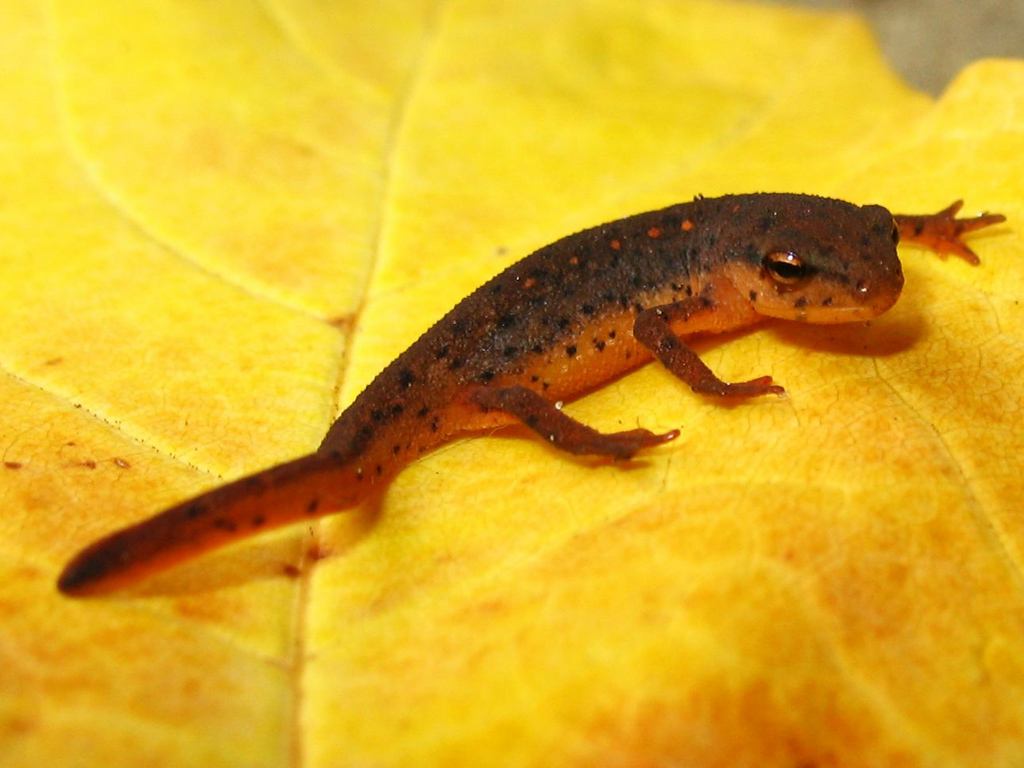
(342, 322)
(317, 552)
(13, 464)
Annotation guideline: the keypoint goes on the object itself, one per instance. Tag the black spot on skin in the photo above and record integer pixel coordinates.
(506, 321)
(689, 290)
(677, 286)
(531, 420)
(535, 378)
(379, 470)
(365, 432)
(570, 351)
(442, 352)
(434, 424)
(587, 309)
(827, 301)
(705, 302)
(668, 343)
(607, 297)
(800, 303)
(406, 377)
(314, 504)
(753, 295)
(486, 376)
(377, 415)
(423, 411)
(599, 345)
(611, 334)
(195, 510)
(455, 364)
(496, 288)
(510, 351)
(537, 349)
(396, 449)
(258, 520)
(396, 409)
(224, 524)
(563, 323)
(545, 385)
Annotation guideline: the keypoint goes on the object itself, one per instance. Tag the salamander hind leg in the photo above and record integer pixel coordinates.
(563, 431)
(653, 329)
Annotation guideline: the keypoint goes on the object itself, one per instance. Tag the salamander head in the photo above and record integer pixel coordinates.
(815, 259)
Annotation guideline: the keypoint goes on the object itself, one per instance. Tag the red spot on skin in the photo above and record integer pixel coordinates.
(686, 226)
(654, 232)
(616, 245)
(122, 463)
(12, 464)
(529, 282)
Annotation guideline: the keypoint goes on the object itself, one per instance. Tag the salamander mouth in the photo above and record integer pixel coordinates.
(837, 315)
(828, 308)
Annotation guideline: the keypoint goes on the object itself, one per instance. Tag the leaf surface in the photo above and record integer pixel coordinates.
(219, 221)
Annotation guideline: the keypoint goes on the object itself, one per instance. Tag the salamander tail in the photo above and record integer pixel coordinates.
(307, 487)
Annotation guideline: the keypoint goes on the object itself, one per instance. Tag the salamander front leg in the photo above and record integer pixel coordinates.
(941, 232)
(654, 329)
(563, 431)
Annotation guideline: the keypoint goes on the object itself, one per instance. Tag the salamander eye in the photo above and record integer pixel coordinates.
(785, 267)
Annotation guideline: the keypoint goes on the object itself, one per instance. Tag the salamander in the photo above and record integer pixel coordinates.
(563, 320)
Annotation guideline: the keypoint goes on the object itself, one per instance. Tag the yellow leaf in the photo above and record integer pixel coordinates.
(219, 220)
